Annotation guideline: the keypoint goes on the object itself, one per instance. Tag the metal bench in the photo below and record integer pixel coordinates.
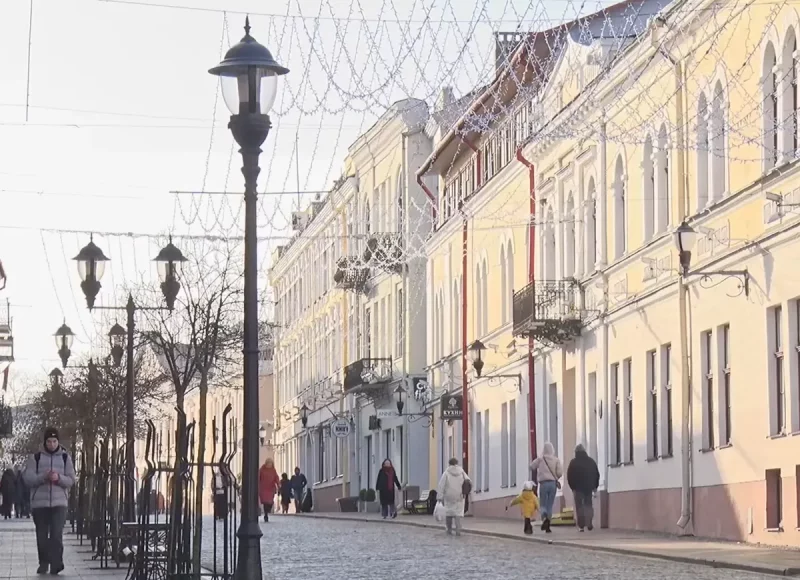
(422, 505)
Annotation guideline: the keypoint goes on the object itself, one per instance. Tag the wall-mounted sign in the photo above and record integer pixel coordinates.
(385, 413)
(423, 391)
(452, 407)
(340, 428)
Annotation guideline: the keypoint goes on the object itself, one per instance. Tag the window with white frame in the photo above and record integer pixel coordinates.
(503, 284)
(718, 136)
(478, 450)
(663, 185)
(620, 210)
(504, 463)
(485, 297)
(616, 418)
(627, 377)
(506, 281)
(400, 324)
(486, 440)
(789, 101)
(591, 226)
(652, 405)
(648, 187)
(478, 300)
(724, 356)
(777, 385)
(708, 397)
(569, 236)
(456, 314)
(549, 249)
(512, 442)
(440, 346)
(703, 150)
(770, 110)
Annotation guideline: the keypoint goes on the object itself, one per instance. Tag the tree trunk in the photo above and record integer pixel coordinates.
(176, 510)
(198, 494)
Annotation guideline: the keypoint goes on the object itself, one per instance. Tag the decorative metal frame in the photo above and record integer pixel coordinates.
(386, 252)
(706, 282)
(517, 377)
(351, 274)
(548, 311)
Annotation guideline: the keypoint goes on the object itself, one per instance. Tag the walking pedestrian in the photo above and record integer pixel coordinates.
(454, 486)
(19, 495)
(286, 493)
(583, 478)
(548, 471)
(528, 503)
(299, 483)
(8, 489)
(49, 474)
(268, 484)
(385, 486)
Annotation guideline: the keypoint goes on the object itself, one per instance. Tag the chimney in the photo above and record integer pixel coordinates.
(504, 45)
(444, 100)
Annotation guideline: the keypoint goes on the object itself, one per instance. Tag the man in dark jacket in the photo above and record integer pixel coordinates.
(50, 473)
(583, 478)
(299, 483)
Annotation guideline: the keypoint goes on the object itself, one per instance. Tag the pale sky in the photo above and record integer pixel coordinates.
(121, 111)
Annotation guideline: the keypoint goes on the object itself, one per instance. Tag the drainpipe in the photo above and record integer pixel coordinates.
(531, 280)
(685, 521)
(431, 197)
(464, 378)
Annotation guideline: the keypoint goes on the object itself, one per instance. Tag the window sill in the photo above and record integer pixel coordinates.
(776, 436)
(503, 487)
(651, 459)
(726, 446)
(774, 530)
(707, 450)
(614, 465)
(627, 463)
(666, 456)
(486, 490)
(794, 433)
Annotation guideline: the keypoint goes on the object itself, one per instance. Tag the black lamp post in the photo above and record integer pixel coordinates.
(116, 337)
(685, 239)
(475, 349)
(249, 77)
(55, 379)
(304, 415)
(262, 435)
(91, 265)
(64, 337)
(400, 403)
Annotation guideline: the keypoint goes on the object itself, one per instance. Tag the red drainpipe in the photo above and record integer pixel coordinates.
(531, 280)
(464, 381)
(430, 197)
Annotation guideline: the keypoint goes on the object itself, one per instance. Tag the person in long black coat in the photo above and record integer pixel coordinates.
(385, 486)
(583, 478)
(8, 489)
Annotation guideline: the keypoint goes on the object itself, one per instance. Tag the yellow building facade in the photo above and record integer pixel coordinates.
(688, 407)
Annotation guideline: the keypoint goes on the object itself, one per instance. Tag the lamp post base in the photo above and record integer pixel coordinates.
(248, 563)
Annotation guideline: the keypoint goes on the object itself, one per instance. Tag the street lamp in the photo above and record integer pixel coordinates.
(262, 435)
(91, 265)
(170, 260)
(685, 239)
(400, 391)
(116, 337)
(249, 77)
(304, 415)
(64, 337)
(475, 350)
(55, 379)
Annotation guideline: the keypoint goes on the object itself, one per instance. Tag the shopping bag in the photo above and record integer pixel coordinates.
(438, 512)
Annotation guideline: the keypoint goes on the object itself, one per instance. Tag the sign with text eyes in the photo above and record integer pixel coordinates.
(452, 407)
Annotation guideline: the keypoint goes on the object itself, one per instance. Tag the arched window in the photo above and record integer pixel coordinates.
(569, 236)
(718, 155)
(485, 296)
(435, 337)
(591, 226)
(506, 282)
(401, 194)
(663, 194)
(620, 210)
(549, 246)
(703, 147)
(510, 280)
(648, 187)
(367, 218)
(769, 92)
(478, 301)
(441, 322)
(456, 326)
(789, 104)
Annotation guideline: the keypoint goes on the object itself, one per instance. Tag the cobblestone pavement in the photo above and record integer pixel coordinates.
(307, 547)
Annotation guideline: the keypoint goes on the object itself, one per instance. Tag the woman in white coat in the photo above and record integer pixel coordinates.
(454, 486)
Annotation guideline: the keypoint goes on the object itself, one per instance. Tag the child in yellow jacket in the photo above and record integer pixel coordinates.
(528, 503)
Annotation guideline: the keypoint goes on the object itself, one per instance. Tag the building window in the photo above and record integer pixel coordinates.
(485, 297)
(569, 237)
(591, 227)
(725, 377)
(649, 178)
(702, 152)
(504, 445)
(617, 418)
(549, 233)
(770, 120)
(456, 327)
(478, 301)
(666, 415)
(718, 156)
(776, 378)
(774, 499)
(620, 210)
(478, 450)
(706, 356)
(663, 195)
(400, 325)
(506, 281)
(486, 432)
(512, 442)
(652, 406)
(627, 377)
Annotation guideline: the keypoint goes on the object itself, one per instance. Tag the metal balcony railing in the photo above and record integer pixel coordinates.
(385, 251)
(351, 274)
(548, 310)
(367, 372)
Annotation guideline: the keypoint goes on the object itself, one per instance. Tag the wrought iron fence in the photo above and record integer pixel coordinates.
(351, 274)
(367, 371)
(548, 310)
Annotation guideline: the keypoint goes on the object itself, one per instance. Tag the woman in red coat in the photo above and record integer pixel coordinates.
(268, 483)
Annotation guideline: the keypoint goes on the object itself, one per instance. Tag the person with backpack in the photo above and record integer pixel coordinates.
(454, 486)
(548, 471)
(50, 474)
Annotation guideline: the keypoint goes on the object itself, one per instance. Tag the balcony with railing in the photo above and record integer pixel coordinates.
(367, 374)
(385, 251)
(548, 311)
(351, 274)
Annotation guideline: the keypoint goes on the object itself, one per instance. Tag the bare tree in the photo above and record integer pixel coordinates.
(195, 342)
